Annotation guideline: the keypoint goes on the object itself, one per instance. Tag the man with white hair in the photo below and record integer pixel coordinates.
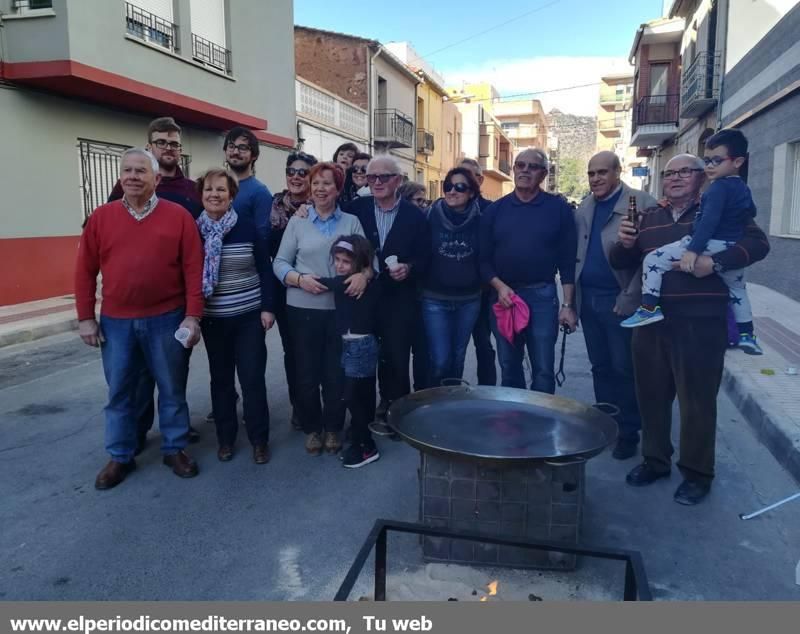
(526, 237)
(397, 231)
(684, 354)
(151, 258)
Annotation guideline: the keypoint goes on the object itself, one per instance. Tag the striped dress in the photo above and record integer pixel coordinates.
(245, 282)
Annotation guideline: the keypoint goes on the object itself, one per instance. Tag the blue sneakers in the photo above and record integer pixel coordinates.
(642, 317)
(749, 345)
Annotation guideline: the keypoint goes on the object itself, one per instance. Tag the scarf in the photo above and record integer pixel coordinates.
(282, 210)
(213, 232)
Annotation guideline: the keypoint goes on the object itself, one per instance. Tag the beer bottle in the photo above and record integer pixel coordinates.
(633, 213)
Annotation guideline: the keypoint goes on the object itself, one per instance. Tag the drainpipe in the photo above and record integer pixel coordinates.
(370, 99)
(723, 54)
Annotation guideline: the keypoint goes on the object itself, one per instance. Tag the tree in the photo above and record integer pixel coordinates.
(572, 179)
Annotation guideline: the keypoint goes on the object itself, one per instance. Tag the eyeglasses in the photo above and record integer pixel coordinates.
(525, 166)
(684, 172)
(381, 178)
(716, 160)
(302, 172)
(162, 144)
(461, 188)
(420, 202)
(242, 148)
(359, 169)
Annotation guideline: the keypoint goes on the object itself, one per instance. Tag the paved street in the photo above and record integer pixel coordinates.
(289, 530)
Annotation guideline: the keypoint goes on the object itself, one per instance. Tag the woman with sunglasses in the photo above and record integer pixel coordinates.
(355, 183)
(284, 206)
(451, 287)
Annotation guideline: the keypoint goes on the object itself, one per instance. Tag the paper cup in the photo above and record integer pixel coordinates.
(182, 335)
(392, 262)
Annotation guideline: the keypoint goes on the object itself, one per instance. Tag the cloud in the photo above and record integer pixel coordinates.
(518, 77)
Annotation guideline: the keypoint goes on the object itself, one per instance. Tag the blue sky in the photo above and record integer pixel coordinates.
(547, 45)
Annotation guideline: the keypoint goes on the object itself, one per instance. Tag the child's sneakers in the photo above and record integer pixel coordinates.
(642, 317)
(356, 456)
(749, 345)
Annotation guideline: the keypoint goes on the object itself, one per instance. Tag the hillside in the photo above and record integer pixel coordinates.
(577, 135)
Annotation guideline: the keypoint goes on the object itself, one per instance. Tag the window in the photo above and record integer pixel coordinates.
(659, 74)
(208, 34)
(794, 201)
(99, 171)
(785, 216)
(151, 21)
(433, 190)
(23, 7)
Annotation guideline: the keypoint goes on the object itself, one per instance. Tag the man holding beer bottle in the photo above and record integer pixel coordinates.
(606, 296)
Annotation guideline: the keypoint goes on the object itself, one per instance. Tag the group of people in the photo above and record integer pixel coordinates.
(361, 272)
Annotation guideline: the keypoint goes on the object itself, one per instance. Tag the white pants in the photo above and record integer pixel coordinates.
(658, 262)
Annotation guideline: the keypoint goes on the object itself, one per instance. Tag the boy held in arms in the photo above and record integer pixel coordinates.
(726, 208)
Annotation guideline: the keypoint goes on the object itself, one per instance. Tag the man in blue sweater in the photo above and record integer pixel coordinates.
(526, 237)
(606, 296)
(254, 198)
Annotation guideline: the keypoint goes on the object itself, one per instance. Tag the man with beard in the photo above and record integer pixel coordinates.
(164, 143)
(254, 198)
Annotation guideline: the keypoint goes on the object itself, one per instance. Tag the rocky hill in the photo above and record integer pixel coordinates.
(577, 135)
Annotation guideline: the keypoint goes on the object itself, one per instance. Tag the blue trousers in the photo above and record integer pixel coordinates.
(448, 326)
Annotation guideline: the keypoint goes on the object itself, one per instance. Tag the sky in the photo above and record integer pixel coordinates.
(537, 45)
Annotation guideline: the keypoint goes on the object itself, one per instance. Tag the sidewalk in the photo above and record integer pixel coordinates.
(767, 396)
(33, 320)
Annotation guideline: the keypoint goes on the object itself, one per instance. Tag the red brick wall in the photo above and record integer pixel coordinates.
(336, 63)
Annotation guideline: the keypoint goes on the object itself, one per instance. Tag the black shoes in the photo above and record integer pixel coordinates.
(691, 492)
(644, 474)
(625, 449)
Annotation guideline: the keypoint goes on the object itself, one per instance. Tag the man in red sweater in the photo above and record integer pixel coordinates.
(151, 258)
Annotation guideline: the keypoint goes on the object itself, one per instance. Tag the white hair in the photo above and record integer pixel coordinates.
(138, 151)
(388, 159)
(539, 153)
(698, 162)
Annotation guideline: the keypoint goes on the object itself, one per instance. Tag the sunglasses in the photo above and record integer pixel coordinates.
(359, 169)
(461, 188)
(716, 160)
(684, 172)
(381, 178)
(525, 166)
(302, 172)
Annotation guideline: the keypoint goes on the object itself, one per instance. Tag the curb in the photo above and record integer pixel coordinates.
(765, 421)
(27, 335)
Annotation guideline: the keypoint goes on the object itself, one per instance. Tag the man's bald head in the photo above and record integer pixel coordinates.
(683, 177)
(604, 174)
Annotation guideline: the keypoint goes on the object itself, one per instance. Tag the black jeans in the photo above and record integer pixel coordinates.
(144, 405)
(421, 362)
(398, 324)
(681, 356)
(235, 345)
(287, 341)
(359, 396)
(609, 348)
(318, 351)
(482, 340)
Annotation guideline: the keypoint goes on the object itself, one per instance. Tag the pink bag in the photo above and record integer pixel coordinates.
(513, 320)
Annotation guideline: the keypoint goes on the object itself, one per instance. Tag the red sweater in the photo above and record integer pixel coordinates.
(149, 266)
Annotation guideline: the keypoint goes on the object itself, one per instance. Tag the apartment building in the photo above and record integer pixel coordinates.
(614, 120)
(82, 79)
(367, 75)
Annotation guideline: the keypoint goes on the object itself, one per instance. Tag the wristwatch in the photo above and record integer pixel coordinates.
(566, 305)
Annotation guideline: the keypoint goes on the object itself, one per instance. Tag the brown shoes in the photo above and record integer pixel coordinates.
(332, 442)
(113, 474)
(182, 465)
(225, 453)
(314, 444)
(261, 454)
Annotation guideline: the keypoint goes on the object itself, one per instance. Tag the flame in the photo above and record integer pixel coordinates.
(484, 599)
(492, 588)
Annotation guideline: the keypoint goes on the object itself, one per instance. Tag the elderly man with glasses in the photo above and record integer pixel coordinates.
(526, 237)
(684, 354)
(397, 231)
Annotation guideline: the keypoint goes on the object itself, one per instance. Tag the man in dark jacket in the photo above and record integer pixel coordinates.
(397, 231)
(164, 143)
(684, 354)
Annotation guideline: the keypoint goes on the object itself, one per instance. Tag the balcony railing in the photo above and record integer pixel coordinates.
(150, 28)
(656, 110)
(393, 128)
(700, 85)
(23, 6)
(424, 141)
(612, 97)
(211, 54)
(323, 107)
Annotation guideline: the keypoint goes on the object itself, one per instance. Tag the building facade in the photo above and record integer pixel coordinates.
(77, 102)
(366, 74)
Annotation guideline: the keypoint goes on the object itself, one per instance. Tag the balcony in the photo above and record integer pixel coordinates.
(700, 85)
(150, 28)
(210, 54)
(612, 97)
(655, 120)
(393, 129)
(318, 105)
(610, 127)
(424, 142)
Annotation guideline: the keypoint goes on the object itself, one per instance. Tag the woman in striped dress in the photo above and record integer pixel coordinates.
(238, 288)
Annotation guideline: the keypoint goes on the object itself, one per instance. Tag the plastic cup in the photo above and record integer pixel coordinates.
(182, 335)
(392, 262)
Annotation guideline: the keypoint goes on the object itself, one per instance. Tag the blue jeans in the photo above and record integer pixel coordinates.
(609, 348)
(360, 357)
(482, 339)
(448, 327)
(539, 337)
(133, 344)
